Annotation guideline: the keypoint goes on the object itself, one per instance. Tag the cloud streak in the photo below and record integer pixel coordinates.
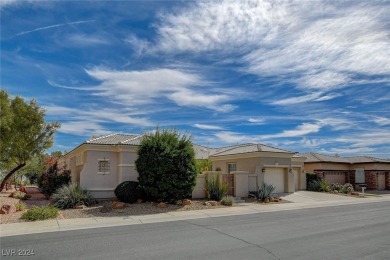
(53, 26)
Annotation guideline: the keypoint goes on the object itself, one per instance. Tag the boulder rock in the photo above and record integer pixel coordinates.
(187, 202)
(213, 203)
(7, 209)
(266, 200)
(162, 205)
(106, 208)
(23, 189)
(118, 205)
(179, 202)
(82, 206)
(139, 201)
(207, 203)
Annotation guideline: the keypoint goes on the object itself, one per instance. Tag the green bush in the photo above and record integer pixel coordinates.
(128, 191)
(264, 192)
(227, 201)
(20, 195)
(319, 185)
(53, 178)
(216, 188)
(203, 165)
(166, 165)
(20, 206)
(72, 195)
(348, 188)
(40, 213)
(310, 177)
(337, 187)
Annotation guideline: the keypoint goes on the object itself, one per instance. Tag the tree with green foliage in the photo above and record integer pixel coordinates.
(203, 165)
(166, 165)
(24, 133)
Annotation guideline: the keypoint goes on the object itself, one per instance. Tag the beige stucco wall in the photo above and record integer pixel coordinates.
(199, 191)
(243, 164)
(310, 167)
(99, 184)
(371, 166)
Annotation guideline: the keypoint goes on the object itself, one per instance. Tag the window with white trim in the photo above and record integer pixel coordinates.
(103, 166)
(232, 167)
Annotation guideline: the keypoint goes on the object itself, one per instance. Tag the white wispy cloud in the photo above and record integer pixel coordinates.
(257, 121)
(145, 87)
(208, 127)
(300, 130)
(53, 26)
(86, 121)
(316, 45)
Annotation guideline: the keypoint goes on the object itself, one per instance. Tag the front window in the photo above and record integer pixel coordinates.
(104, 166)
(232, 167)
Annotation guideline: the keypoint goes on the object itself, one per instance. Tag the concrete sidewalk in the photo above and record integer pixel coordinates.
(240, 209)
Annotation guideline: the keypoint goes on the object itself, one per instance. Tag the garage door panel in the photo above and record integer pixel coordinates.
(275, 176)
(335, 178)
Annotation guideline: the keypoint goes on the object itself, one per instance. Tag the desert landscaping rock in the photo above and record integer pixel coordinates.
(7, 209)
(187, 202)
(206, 203)
(162, 205)
(80, 207)
(213, 203)
(118, 205)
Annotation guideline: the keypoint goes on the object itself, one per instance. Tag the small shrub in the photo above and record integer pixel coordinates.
(227, 201)
(264, 192)
(128, 191)
(20, 206)
(337, 187)
(70, 196)
(348, 188)
(216, 188)
(310, 177)
(20, 195)
(314, 185)
(40, 213)
(53, 178)
(325, 186)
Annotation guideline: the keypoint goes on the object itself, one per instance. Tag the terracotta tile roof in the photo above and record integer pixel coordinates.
(247, 148)
(113, 139)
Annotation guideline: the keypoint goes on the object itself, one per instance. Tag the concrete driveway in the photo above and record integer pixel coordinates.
(310, 196)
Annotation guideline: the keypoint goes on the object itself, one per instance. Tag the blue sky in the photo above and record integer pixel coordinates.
(304, 75)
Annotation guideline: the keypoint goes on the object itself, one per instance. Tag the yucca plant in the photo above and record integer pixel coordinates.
(69, 196)
(216, 188)
(264, 192)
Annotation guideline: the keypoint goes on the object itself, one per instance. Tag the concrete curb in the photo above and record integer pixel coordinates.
(94, 222)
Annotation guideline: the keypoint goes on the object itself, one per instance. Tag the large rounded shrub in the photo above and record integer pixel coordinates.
(128, 191)
(166, 165)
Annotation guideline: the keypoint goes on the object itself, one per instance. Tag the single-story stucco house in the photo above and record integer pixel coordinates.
(101, 163)
(373, 172)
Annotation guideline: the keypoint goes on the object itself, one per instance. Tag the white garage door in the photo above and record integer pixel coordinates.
(296, 178)
(275, 176)
(381, 181)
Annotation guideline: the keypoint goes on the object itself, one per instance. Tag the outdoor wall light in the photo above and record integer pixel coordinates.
(263, 170)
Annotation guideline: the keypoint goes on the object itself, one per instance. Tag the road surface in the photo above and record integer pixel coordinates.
(343, 232)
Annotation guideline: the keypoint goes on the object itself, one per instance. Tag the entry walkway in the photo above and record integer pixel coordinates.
(303, 200)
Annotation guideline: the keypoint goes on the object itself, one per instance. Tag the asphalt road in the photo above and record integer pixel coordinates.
(344, 232)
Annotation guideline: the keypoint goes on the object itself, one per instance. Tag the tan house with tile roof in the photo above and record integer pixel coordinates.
(100, 164)
(374, 172)
(262, 163)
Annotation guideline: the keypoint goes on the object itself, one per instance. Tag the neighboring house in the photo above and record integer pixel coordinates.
(262, 163)
(100, 164)
(373, 172)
